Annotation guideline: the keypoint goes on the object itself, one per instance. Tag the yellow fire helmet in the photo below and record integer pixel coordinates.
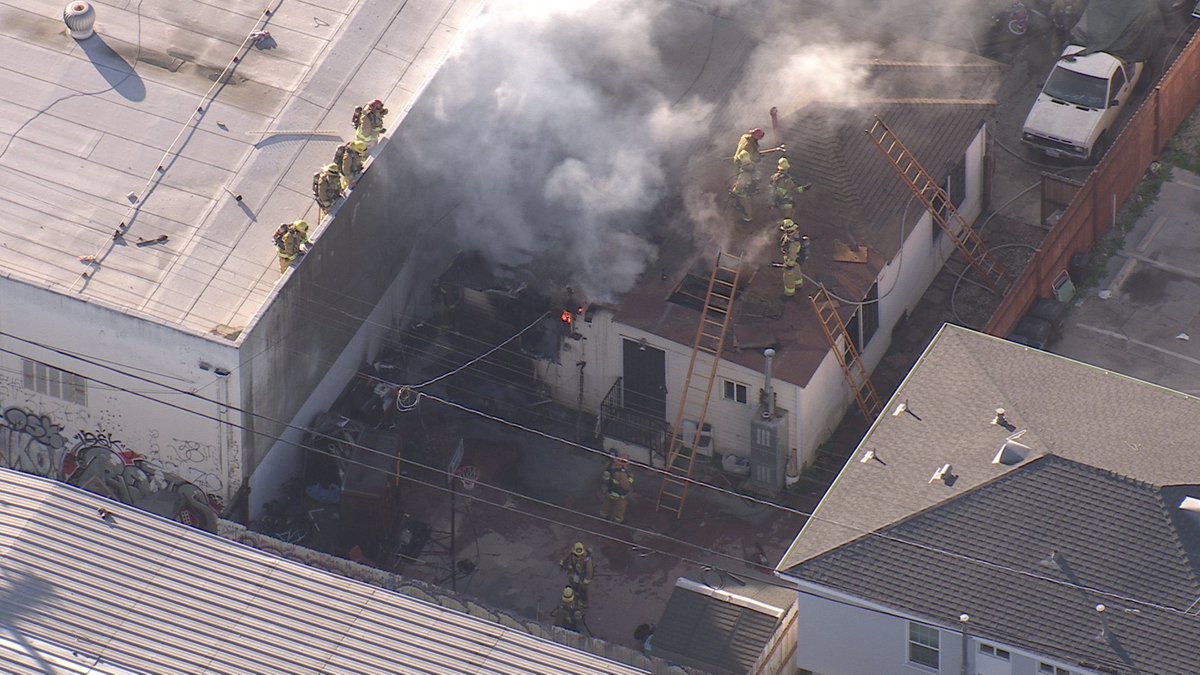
(783, 164)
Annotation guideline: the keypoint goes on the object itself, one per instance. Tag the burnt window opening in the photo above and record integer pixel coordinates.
(864, 323)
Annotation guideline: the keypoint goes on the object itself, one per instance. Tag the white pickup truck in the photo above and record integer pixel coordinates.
(1076, 113)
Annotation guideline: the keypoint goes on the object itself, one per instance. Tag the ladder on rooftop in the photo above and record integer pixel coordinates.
(941, 208)
(715, 319)
(846, 353)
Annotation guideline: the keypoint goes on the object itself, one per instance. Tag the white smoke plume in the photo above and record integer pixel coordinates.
(556, 135)
(559, 127)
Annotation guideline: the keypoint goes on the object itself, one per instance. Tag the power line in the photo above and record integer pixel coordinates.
(860, 530)
(486, 354)
(504, 491)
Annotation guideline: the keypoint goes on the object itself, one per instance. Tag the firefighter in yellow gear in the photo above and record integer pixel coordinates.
(368, 121)
(740, 191)
(784, 189)
(291, 242)
(350, 159)
(580, 571)
(748, 155)
(618, 483)
(327, 187)
(794, 249)
(568, 614)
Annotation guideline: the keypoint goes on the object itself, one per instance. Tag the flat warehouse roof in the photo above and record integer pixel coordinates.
(85, 125)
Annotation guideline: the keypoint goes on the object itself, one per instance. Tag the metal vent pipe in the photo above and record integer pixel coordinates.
(80, 18)
(770, 354)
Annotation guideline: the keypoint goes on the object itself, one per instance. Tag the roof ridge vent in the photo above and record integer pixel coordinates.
(1012, 451)
(945, 473)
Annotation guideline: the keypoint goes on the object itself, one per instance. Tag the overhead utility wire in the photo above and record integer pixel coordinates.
(484, 355)
(853, 528)
(766, 580)
(441, 471)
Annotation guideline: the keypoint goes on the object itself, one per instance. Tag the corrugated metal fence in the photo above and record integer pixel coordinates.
(1091, 212)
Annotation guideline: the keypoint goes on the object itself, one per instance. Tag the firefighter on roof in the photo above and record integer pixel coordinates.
(580, 571)
(291, 242)
(740, 191)
(368, 121)
(748, 155)
(327, 187)
(350, 158)
(618, 483)
(784, 189)
(795, 250)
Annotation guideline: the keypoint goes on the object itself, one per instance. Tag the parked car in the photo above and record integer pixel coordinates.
(1076, 113)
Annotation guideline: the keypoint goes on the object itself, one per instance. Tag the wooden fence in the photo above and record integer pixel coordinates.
(1091, 213)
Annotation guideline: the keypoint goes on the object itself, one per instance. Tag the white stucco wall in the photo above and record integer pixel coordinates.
(602, 349)
(186, 435)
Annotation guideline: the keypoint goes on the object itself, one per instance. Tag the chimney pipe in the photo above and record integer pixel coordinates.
(770, 393)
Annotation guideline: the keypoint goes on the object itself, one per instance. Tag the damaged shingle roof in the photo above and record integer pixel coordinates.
(855, 198)
(1058, 537)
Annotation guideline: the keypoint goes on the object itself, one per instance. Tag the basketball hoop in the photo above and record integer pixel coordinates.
(467, 475)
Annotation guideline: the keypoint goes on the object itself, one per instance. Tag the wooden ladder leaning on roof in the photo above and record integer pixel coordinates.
(941, 208)
(846, 354)
(715, 319)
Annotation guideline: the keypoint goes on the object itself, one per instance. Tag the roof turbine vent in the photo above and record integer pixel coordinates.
(80, 17)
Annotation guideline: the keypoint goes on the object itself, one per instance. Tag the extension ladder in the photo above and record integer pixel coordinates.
(715, 319)
(939, 205)
(847, 354)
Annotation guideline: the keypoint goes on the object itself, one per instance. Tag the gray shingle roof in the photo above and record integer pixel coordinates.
(720, 631)
(1052, 520)
(138, 593)
(1092, 416)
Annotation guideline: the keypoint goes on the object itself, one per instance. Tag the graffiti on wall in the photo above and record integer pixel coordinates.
(95, 461)
(13, 392)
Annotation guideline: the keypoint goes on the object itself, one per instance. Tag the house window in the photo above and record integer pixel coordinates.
(732, 391)
(922, 645)
(994, 651)
(1052, 670)
(51, 381)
